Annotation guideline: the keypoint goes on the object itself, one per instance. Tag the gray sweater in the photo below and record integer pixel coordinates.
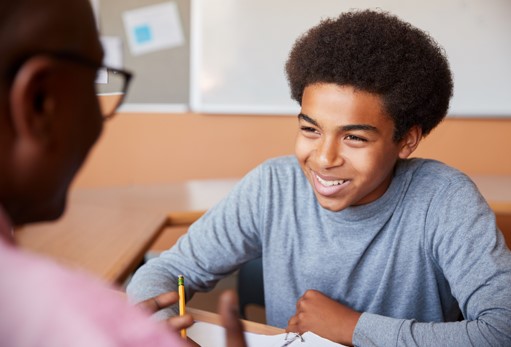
(411, 260)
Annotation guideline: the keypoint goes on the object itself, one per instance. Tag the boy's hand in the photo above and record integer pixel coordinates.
(325, 317)
(176, 323)
(227, 308)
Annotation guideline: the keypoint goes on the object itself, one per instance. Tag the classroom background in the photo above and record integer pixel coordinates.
(171, 138)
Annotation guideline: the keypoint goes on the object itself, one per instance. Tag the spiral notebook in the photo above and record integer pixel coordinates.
(211, 335)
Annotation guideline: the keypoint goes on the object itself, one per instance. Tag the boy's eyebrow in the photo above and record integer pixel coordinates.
(349, 127)
(366, 127)
(307, 119)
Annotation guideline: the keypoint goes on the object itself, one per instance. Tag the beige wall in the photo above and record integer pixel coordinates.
(158, 148)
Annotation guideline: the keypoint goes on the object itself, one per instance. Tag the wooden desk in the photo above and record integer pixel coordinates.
(252, 327)
(108, 230)
(496, 189)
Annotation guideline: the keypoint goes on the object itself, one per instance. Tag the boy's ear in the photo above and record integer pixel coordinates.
(32, 101)
(410, 142)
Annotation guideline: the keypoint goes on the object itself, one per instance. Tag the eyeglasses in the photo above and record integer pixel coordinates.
(111, 83)
(111, 87)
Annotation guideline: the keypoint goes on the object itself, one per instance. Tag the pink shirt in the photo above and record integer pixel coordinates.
(44, 304)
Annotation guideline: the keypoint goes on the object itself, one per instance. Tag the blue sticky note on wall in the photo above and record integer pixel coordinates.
(143, 33)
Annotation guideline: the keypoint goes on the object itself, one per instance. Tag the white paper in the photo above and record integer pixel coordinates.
(102, 76)
(112, 46)
(153, 28)
(211, 335)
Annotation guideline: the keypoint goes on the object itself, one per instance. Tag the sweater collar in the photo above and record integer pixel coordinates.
(377, 209)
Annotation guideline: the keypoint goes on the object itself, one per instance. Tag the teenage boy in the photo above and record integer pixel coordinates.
(359, 244)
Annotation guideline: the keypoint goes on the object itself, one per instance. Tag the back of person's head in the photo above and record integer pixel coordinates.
(49, 113)
(376, 52)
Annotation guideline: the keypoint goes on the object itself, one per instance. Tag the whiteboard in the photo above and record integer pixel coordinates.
(239, 49)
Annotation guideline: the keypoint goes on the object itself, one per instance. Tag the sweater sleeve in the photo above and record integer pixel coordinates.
(462, 239)
(214, 246)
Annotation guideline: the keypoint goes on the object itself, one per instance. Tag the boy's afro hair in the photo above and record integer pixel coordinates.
(376, 52)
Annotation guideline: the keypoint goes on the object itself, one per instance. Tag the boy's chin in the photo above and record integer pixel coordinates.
(331, 204)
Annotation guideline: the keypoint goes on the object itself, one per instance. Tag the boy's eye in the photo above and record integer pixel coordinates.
(308, 129)
(355, 138)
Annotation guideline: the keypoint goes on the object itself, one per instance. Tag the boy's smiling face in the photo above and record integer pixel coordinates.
(345, 145)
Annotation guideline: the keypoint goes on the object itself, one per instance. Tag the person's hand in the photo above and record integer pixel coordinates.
(176, 323)
(229, 315)
(325, 317)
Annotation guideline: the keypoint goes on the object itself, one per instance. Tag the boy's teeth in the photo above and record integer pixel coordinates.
(329, 183)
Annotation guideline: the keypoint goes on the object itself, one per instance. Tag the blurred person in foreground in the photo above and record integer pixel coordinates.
(50, 118)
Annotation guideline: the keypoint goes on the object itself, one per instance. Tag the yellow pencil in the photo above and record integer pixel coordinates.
(182, 308)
